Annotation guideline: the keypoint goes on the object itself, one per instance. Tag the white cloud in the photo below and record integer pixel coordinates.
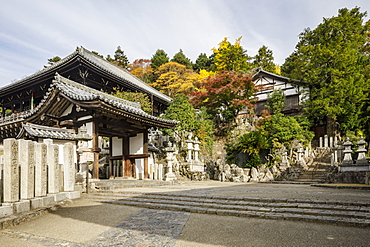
(33, 31)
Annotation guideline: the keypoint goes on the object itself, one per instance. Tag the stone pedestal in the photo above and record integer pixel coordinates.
(27, 164)
(11, 171)
(69, 168)
(53, 168)
(40, 170)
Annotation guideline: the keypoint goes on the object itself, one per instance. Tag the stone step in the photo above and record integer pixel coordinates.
(348, 213)
(129, 183)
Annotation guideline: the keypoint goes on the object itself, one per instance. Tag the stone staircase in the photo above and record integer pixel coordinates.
(117, 184)
(322, 211)
(317, 169)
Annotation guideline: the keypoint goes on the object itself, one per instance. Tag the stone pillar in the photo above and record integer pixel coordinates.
(170, 176)
(27, 164)
(335, 141)
(300, 152)
(331, 144)
(347, 160)
(189, 142)
(361, 151)
(320, 142)
(160, 172)
(155, 175)
(52, 156)
(284, 160)
(326, 141)
(40, 170)
(11, 171)
(335, 155)
(196, 149)
(69, 168)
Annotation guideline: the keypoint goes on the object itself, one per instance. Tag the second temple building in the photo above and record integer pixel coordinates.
(69, 101)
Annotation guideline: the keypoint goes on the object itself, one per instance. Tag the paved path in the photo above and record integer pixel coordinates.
(88, 223)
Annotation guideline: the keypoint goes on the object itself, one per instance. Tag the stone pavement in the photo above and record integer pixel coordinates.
(90, 223)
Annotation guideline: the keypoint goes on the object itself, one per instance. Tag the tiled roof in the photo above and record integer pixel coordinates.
(99, 63)
(40, 131)
(81, 92)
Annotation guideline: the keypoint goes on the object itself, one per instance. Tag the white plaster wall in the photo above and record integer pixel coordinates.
(139, 168)
(116, 146)
(89, 127)
(136, 144)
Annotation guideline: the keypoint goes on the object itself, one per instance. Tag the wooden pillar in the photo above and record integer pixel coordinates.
(146, 152)
(95, 149)
(127, 166)
(111, 171)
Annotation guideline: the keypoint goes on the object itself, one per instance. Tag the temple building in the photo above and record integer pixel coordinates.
(268, 82)
(70, 101)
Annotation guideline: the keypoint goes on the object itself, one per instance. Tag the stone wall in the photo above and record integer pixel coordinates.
(32, 176)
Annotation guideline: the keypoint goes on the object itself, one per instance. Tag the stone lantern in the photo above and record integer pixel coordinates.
(361, 151)
(170, 176)
(347, 160)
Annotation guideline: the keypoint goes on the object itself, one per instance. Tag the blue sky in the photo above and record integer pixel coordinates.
(31, 31)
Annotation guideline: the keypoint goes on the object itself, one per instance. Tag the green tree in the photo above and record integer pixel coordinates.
(180, 109)
(143, 99)
(182, 59)
(120, 58)
(202, 62)
(191, 120)
(53, 60)
(231, 57)
(265, 60)
(332, 60)
(97, 53)
(160, 57)
(276, 101)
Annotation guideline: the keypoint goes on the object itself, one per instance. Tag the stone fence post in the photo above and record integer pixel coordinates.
(11, 171)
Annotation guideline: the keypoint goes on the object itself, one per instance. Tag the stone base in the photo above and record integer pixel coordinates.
(73, 195)
(354, 168)
(22, 206)
(36, 203)
(170, 176)
(197, 167)
(49, 199)
(6, 211)
(353, 177)
(60, 196)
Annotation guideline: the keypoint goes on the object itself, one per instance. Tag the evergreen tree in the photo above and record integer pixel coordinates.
(331, 59)
(182, 110)
(276, 101)
(120, 58)
(53, 60)
(202, 62)
(265, 60)
(182, 59)
(160, 57)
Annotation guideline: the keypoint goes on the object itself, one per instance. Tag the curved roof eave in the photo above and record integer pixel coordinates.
(99, 62)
